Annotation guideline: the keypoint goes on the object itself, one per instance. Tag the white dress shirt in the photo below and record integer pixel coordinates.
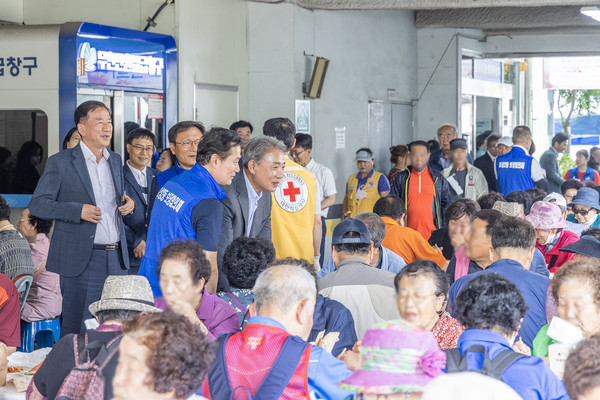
(325, 182)
(140, 178)
(107, 230)
(253, 198)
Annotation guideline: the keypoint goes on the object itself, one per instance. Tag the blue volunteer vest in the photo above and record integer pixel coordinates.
(168, 174)
(514, 171)
(172, 216)
(588, 176)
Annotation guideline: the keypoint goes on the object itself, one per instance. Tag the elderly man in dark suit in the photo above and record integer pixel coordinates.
(138, 180)
(486, 163)
(82, 189)
(247, 208)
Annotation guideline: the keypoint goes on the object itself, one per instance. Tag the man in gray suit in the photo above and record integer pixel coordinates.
(82, 190)
(549, 162)
(247, 208)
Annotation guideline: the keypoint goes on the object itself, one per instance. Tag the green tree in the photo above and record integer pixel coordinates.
(574, 103)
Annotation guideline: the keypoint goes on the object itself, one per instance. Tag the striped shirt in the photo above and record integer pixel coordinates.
(15, 254)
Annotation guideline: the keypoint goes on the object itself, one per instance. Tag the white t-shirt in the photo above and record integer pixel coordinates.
(325, 182)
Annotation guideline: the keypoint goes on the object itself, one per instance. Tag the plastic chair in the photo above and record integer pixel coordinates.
(23, 284)
(47, 333)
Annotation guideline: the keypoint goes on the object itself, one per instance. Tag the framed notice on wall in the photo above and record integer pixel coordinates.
(302, 116)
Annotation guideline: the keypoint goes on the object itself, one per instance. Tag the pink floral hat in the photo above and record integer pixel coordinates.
(396, 357)
(545, 215)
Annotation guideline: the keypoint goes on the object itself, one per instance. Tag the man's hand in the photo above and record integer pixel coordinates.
(91, 213)
(128, 207)
(521, 347)
(140, 249)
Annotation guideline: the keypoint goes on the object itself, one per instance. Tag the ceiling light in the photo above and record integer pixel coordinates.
(592, 12)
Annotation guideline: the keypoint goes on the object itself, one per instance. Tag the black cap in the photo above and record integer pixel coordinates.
(351, 225)
(588, 246)
(458, 144)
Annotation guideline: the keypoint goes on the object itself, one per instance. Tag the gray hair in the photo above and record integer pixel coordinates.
(375, 225)
(283, 287)
(259, 147)
(451, 126)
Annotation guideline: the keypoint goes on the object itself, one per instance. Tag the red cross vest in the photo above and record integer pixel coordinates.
(249, 358)
(293, 213)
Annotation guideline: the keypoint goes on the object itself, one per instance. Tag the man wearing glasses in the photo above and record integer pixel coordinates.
(184, 137)
(138, 179)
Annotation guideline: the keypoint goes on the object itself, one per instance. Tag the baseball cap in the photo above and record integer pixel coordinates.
(351, 225)
(557, 199)
(458, 144)
(363, 155)
(506, 140)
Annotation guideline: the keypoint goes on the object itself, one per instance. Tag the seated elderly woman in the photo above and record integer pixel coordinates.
(585, 208)
(162, 356)
(576, 290)
(422, 289)
(183, 272)
(491, 309)
(581, 370)
(398, 359)
(44, 300)
(547, 220)
(244, 259)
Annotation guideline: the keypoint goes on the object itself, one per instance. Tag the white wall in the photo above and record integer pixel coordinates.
(370, 51)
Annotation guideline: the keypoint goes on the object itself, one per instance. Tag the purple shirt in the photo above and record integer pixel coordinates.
(218, 316)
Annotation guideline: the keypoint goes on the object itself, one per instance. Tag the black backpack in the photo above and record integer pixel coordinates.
(457, 362)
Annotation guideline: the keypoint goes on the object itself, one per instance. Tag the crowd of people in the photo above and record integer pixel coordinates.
(207, 277)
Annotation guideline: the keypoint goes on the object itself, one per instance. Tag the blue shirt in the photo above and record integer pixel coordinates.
(595, 224)
(253, 199)
(332, 316)
(390, 261)
(533, 287)
(528, 376)
(166, 175)
(325, 372)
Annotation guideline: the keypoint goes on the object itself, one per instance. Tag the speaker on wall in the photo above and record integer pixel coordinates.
(317, 79)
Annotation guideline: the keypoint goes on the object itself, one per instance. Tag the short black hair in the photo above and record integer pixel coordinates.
(389, 206)
(304, 140)
(491, 217)
(217, 141)
(140, 133)
(492, 138)
(129, 126)
(245, 258)
(480, 139)
(520, 197)
(434, 146)
(491, 302)
(368, 150)
(281, 129)
(41, 225)
(352, 248)
(241, 124)
(570, 184)
(418, 143)
(68, 137)
(4, 209)
(514, 233)
(459, 209)
(559, 138)
(487, 201)
(81, 112)
(425, 267)
(584, 153)
(184, 126)
(190, 252)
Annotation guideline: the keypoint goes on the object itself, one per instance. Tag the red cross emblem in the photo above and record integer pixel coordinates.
(291, 191)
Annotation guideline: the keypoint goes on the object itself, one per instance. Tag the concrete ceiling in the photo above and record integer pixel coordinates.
(426, 4)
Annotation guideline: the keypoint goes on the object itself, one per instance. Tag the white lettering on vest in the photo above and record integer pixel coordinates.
(169, 199)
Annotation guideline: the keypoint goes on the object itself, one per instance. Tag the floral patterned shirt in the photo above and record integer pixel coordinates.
(447, 331)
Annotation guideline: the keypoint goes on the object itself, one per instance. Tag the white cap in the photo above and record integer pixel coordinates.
(506, 140)
(558, 199)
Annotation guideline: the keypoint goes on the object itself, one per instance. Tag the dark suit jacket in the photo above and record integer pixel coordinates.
(60, 195)
(236, 208)
(486, 165)
(135, 223)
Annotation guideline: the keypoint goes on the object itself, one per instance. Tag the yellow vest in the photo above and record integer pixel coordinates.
(293, 213)
(366, 204)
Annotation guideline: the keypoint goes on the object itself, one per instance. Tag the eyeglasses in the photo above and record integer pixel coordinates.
(186, 144)
(417, 298)
(581, 212)
(140, 149)
(295, 155)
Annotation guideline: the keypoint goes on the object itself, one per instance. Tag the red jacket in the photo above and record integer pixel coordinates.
(565, 238)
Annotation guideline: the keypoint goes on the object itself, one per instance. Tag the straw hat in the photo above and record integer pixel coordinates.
(125, 292)
(508, 209)
(396, 357)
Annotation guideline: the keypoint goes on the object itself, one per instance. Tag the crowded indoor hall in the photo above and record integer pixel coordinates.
(299, 199)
